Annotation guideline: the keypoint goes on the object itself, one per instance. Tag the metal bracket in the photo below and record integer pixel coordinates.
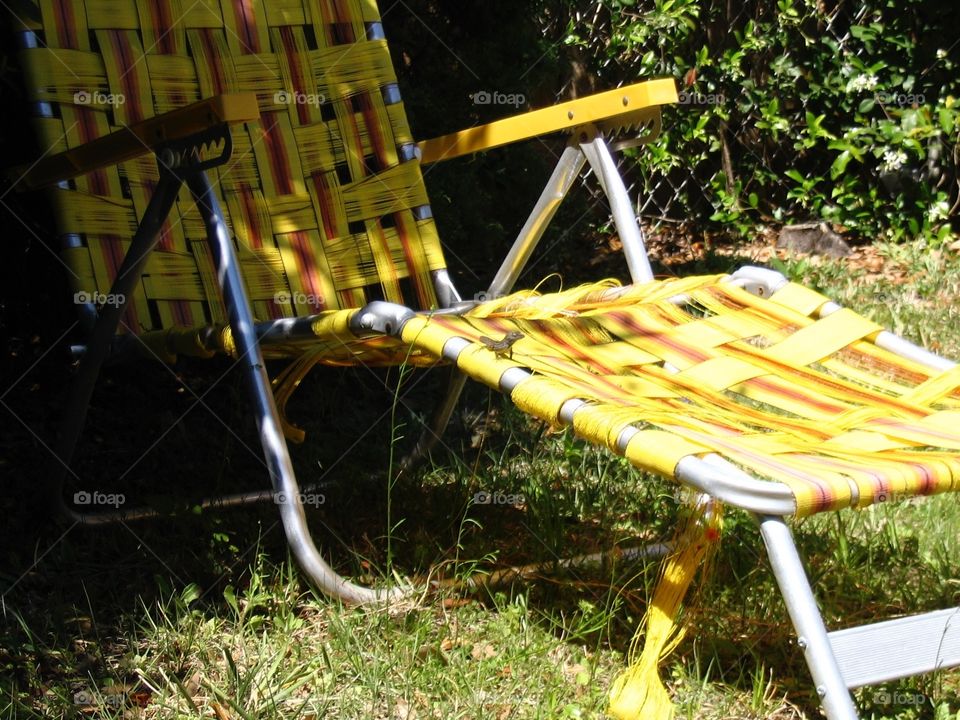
(762, 282)
(189, 154)
(382, 317)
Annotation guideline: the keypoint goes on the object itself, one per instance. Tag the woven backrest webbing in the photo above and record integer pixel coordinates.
(322, 195)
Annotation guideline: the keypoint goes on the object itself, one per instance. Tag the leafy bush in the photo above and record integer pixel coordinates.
(842, 111)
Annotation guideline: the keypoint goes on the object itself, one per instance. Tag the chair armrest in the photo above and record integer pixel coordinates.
(142, 137)
(617, 107)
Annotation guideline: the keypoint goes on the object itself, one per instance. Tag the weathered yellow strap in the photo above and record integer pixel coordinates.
(800, 298)
(659, 452)
(823, 338)
(750, 391)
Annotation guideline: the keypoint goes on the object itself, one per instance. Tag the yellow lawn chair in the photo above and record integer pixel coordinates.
(240, 178)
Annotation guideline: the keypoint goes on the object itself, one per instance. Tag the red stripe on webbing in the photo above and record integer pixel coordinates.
(339, 31)
(296, 77)
(206, 36)
(247, 22)
(66, 26)
(826, 407)
(325, 198)
(275, 310)
(659, 337)
(423, 292)
(128, 78)
(824, 491)
(306, 262)
(279, 164)
(249, 217)
(162, 25)
(373, 129)
(88, 132)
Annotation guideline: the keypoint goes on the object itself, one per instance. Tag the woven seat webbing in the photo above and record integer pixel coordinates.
(322, 195)
(810, 403)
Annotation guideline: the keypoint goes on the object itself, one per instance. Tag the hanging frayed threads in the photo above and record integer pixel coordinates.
(638, 692)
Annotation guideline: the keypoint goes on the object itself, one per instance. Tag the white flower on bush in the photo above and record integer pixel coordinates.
(941, 54)
(862, 82)
(938, 211)
(893, 160)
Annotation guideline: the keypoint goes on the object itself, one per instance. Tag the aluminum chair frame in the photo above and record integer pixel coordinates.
(837, 660)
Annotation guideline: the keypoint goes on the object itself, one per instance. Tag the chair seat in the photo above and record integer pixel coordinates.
(702, 366)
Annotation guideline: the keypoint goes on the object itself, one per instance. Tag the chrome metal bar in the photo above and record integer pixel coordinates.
(447, 294)
(268, 422)
(802, 606)
(625, 219)
(899, 648)
(711, 475)
(101, 339)
(564, 176)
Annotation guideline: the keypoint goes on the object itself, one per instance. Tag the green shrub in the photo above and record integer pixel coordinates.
(841, 111)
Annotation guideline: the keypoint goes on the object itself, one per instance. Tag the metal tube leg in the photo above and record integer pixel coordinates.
(802, 606)
(438, 424)
(102, 336)
(564, 175)
(628, 227)
(268, 422)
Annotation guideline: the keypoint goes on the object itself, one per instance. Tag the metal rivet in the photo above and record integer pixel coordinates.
(821, 691)
(626, 101)
(802, 643)
(570, 115)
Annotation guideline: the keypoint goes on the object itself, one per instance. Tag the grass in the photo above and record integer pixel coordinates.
(207, 617)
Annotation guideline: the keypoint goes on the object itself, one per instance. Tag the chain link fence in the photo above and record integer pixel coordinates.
(775, 102)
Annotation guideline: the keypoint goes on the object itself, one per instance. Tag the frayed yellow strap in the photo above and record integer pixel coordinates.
(638, 692)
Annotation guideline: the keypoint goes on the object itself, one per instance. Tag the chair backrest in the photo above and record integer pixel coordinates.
(323, 195)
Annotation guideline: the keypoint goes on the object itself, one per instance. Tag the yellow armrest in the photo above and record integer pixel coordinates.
(565, 116)
(142, 137)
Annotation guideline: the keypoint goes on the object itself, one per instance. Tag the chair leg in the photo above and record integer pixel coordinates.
(805, 614)
(100, 341)
(96, 352)
(275, 450)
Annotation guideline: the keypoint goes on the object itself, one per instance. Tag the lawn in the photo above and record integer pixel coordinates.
(204, 615)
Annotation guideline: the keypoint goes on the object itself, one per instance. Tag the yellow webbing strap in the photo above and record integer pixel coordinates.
(822, 338)
(638, 692)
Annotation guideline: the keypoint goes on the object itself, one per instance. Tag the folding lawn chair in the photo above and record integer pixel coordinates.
(757, 392)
